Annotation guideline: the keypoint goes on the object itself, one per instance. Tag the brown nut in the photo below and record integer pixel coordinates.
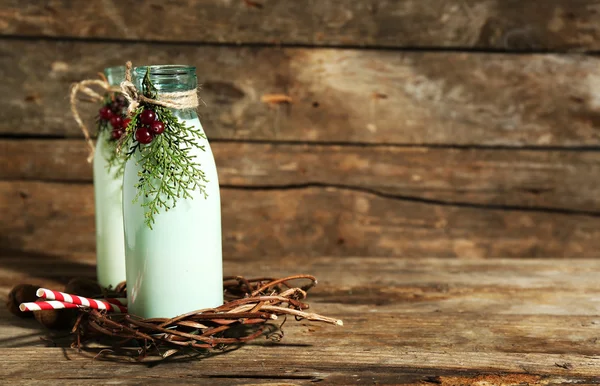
(83, 287)
(56, 319)
(21, 293)
(65, 318)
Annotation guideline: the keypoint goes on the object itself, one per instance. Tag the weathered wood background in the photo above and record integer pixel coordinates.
(448, 128)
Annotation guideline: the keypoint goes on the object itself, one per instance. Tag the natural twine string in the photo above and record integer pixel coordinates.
(84, 88)
(181, 100)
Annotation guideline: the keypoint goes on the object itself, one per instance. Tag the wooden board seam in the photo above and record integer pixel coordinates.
(407, 49)
(391, 145)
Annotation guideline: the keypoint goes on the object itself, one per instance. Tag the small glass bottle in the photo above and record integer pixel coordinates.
(175, 267)
(110, 244)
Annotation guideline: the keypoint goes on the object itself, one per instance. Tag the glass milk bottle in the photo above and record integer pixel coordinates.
(110, 245)
(176, 266)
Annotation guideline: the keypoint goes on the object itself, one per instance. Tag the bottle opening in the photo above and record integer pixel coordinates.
(167, 78)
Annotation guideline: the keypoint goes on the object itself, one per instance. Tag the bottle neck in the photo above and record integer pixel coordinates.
(167, 78)
(115, 75)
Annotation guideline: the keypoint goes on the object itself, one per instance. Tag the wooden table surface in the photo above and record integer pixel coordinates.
(425, 321)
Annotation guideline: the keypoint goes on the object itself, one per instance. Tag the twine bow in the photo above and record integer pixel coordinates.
(84, 87)
(181, 100)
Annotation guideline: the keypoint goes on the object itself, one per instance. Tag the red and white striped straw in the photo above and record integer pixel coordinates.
(97, 304)
(48, 305)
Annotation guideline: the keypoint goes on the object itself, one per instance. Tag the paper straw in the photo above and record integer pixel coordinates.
(48, 305)
(82, 301)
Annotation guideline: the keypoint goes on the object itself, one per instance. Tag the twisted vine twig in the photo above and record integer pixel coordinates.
(251, 305)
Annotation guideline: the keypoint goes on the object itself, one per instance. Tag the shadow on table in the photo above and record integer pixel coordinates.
(26, 332)
(133, 353)
(29, 333)
(41, 266)
(23, 267)
(25, 340)
(32, 334)
(104, 355)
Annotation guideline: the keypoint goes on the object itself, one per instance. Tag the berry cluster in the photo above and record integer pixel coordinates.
(149, 127)
(113, 112)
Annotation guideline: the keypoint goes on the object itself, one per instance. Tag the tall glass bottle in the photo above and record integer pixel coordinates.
(110, 244)
(175, 267)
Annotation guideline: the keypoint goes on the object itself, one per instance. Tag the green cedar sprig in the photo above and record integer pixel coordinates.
(169, 171)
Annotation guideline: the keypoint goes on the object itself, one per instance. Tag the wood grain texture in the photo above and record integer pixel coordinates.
(353, 96)
(58, 218)
(535, 179)
(490, 288)
(498, 321)
(392, 366)
(484, 24)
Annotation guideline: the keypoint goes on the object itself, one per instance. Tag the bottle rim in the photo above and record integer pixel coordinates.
(165, 70)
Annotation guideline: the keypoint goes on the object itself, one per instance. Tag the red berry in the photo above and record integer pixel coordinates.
(117, 133)
(125, 123)
(157, 127)
(147, 117)
(116, 121)
(105, 113)
(143, 135)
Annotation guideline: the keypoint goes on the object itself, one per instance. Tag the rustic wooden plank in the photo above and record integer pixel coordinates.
(485, 24)
(386, 345)
(287, 364)
(58, 218)
(352, 272)
(398, 377)
(536, 179)
(307, 362)
(337, 95)
(364, 285)
(431, 331)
